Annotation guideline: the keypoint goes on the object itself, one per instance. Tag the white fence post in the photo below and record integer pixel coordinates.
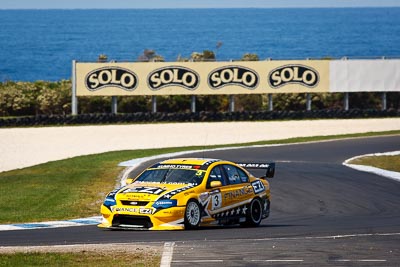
(114, 105)
(193, 104)
(308, 101)
(270, 103)
(346, 101)
(154, 104)
(74, 98)
(231, 103)
(384, 101)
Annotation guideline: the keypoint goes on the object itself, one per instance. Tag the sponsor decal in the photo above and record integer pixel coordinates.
(254, 165)
(258, 186)
(139, 197)
(233, 75)
(173, 76)
(293, 74)
(145, 211)
(238, 193)
(111, 76)
(145, 189)
(165, 203)
(117, 209)
(174, 166)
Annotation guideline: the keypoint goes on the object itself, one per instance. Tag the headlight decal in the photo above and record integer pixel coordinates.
(109, 202)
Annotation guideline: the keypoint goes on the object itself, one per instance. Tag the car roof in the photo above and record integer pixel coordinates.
(191, 161)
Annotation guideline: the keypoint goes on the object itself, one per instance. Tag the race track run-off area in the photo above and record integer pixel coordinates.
(323, 214)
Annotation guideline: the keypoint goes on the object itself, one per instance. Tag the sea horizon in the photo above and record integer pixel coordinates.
(183, 8)
(40, 44)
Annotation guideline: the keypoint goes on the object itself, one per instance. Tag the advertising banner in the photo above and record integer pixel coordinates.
(365, 75)
(239, 77)
(201, 78)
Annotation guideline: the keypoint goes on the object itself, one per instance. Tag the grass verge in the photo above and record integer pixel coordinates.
(75, 187)
(86, 259)
(390, 163)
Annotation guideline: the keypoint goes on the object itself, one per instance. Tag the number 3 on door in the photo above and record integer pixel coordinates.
(216, 201)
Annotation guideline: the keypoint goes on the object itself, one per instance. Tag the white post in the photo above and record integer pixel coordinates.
(270, 103)
(346, 95)
(231, 103)
(231, 100)
(384, 101)
(74, 98)
(346, 101)
(308, 98)
(114, 105)
(308, 103)
(154, 104)
(193, 104)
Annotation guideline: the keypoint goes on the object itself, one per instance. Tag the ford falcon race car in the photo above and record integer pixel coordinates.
(187, 193)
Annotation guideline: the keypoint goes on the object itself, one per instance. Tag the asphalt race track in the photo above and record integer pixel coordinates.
(322, 214)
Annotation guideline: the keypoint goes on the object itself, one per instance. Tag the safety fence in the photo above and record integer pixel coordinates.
(142, 117)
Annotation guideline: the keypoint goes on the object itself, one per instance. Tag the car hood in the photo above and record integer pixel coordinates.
(142, 191)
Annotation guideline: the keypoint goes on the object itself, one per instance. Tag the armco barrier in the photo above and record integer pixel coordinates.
(145, 117)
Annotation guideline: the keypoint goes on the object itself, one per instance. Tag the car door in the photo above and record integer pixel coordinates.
(230, 199)
(215, 194)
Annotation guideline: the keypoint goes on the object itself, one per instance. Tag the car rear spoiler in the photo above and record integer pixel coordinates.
(270, 167)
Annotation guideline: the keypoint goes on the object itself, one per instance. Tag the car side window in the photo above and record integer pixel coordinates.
(216, 175)
(235, 175)
(243, 176)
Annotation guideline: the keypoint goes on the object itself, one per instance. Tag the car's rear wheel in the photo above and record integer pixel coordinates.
(254, 213)
(192, 214)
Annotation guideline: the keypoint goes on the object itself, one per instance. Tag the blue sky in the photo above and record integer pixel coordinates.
(71, 4)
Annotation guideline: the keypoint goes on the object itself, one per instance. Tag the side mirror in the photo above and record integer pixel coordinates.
(214, 184)
(270, 170)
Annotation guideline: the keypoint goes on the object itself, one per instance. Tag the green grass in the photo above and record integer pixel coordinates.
(64, 189)
(391, 163)
(89, 259)
(76, 187)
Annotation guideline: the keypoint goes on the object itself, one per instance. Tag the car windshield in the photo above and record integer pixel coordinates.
(172, 176)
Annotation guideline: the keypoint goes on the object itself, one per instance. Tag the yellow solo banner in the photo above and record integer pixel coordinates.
(201, 78)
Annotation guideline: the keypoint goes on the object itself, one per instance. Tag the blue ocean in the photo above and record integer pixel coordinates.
(41, 44)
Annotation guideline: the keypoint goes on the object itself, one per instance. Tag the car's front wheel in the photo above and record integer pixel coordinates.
(192, 214)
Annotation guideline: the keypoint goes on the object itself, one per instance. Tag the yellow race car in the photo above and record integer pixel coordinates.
(186, 193)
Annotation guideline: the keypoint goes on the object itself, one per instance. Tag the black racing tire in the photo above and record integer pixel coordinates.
(254, 214)
(192, 216)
